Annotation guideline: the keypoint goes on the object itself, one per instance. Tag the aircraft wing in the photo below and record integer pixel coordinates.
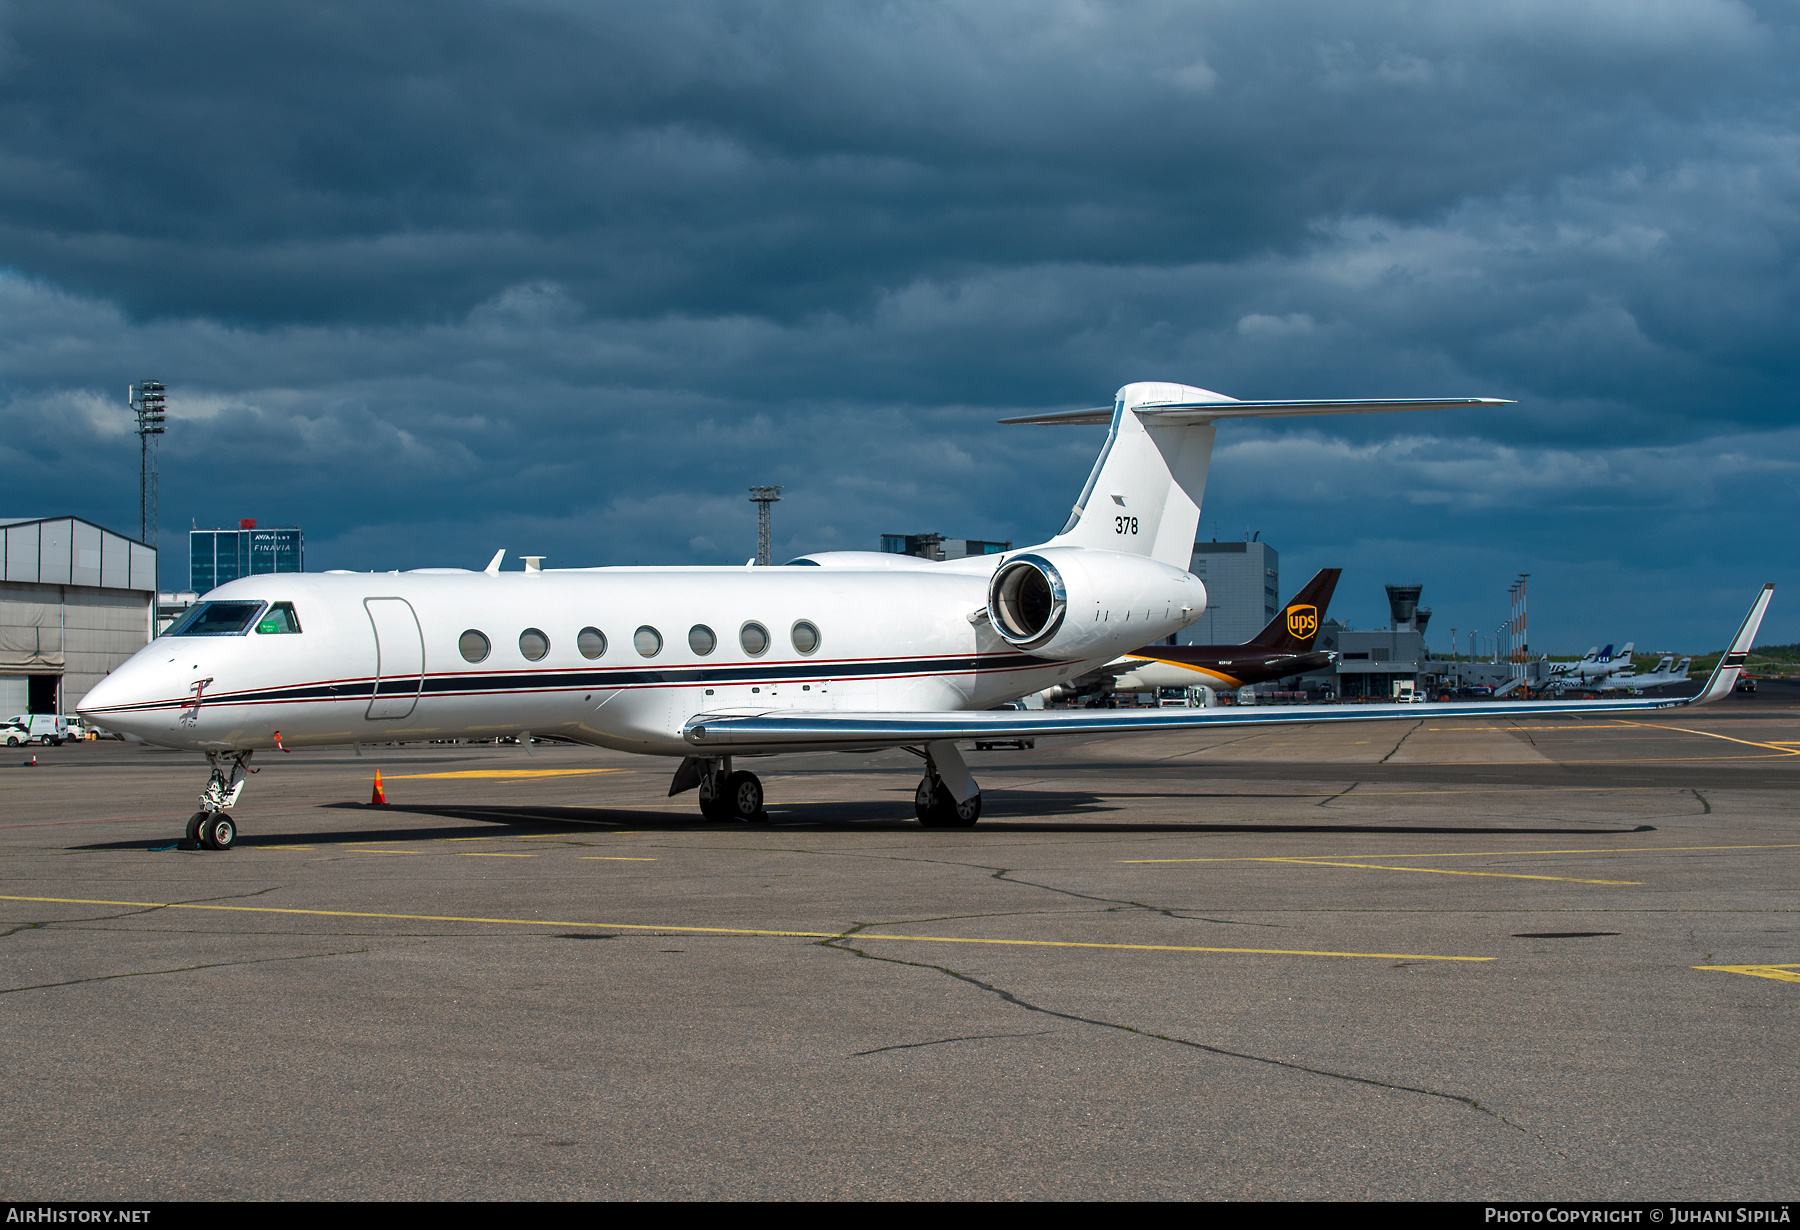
(794, 730)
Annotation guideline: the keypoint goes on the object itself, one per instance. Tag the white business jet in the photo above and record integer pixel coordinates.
(838, 651)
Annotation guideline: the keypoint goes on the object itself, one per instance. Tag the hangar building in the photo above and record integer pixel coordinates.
(76, 601)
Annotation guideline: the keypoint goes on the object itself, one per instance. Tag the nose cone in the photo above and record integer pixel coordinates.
(143, 698)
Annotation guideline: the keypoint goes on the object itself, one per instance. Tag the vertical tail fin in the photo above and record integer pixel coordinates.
(1296, 624)
(1143, 496)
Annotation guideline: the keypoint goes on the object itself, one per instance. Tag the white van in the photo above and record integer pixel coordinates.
(47, 728)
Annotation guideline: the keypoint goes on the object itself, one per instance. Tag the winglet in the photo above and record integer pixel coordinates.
(493, 568)
(1731, 663)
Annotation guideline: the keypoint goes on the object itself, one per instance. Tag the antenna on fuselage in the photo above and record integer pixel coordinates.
(493, 568)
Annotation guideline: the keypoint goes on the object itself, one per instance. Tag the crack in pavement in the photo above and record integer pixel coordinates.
(839, 942)
(1402, 743)
(1332, 798)
(185, 969)
(907, 1046)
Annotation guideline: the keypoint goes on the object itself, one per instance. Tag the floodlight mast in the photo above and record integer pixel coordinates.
(146, 401)
(762, 497)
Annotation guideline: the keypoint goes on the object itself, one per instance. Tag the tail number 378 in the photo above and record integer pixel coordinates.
(1125, 525)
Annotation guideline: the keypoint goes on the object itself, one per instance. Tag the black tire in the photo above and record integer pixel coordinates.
(218, 832)
(743, 797)
(713, 799)
(193, 828)
(43, 740)
(937, 810)
(12, 740)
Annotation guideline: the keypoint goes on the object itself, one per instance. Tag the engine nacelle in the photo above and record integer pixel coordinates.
(1070, 602)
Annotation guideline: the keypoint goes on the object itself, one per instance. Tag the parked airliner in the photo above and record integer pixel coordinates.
(713, 665)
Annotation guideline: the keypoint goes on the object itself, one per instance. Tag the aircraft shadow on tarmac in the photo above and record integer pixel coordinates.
(1038, 814)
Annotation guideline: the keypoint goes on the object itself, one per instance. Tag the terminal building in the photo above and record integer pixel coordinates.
(1371, 662)
(76, 601)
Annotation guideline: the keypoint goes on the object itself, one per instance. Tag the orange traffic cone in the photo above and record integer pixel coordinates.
(378, 798)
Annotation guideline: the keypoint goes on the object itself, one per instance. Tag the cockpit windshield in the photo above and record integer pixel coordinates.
(217, 619)
(279, 617)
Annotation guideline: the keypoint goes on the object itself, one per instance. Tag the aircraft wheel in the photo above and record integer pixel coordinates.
(743, 796)
(218, 832)
(937, 810)
(193, 827)
(713, 802)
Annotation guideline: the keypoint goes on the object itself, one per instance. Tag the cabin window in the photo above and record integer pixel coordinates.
(279, 618)
(217, 619)
(591, 642)
(647, 641)
(534, 644)
(702, 640)
(754, 638)
(806, 637)
(473, 645)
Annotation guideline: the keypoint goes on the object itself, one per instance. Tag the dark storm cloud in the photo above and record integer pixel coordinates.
(571, 275)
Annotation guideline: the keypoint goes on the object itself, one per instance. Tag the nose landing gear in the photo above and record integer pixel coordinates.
(212, 832)
(212, 828)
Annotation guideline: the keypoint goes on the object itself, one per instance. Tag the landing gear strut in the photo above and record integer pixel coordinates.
(724, 795)
(212, 828)
(946, 776)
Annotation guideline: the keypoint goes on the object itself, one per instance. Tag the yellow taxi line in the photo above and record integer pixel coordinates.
(1473, 853)
(1503, 875)
(1786, 751)
(1781, 973)
(411, 777)
(757, 931)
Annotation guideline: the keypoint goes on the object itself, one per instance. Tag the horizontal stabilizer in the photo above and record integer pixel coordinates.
(1184, 413)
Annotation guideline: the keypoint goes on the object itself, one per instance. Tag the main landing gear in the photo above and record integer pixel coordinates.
(947, 797)
(946, 776)
(936, 809)
(212, 828)
(724, 794)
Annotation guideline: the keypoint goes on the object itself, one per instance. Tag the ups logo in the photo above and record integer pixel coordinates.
(1302, 621)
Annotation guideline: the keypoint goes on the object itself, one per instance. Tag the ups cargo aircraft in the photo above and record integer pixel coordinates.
(1283, 648)
(716, 665)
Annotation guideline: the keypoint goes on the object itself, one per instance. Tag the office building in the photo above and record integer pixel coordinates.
(1243, 586)
(216, 557)
(936, 546)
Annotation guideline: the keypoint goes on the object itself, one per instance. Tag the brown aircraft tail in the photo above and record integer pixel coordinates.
(1298, 621)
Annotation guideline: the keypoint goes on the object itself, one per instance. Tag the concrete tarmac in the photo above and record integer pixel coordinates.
(1464, 959)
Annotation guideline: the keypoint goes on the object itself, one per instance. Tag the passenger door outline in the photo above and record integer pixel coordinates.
(399, 657)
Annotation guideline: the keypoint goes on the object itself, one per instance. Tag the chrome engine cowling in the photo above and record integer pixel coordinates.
(1071, 602)
(1027, 600)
